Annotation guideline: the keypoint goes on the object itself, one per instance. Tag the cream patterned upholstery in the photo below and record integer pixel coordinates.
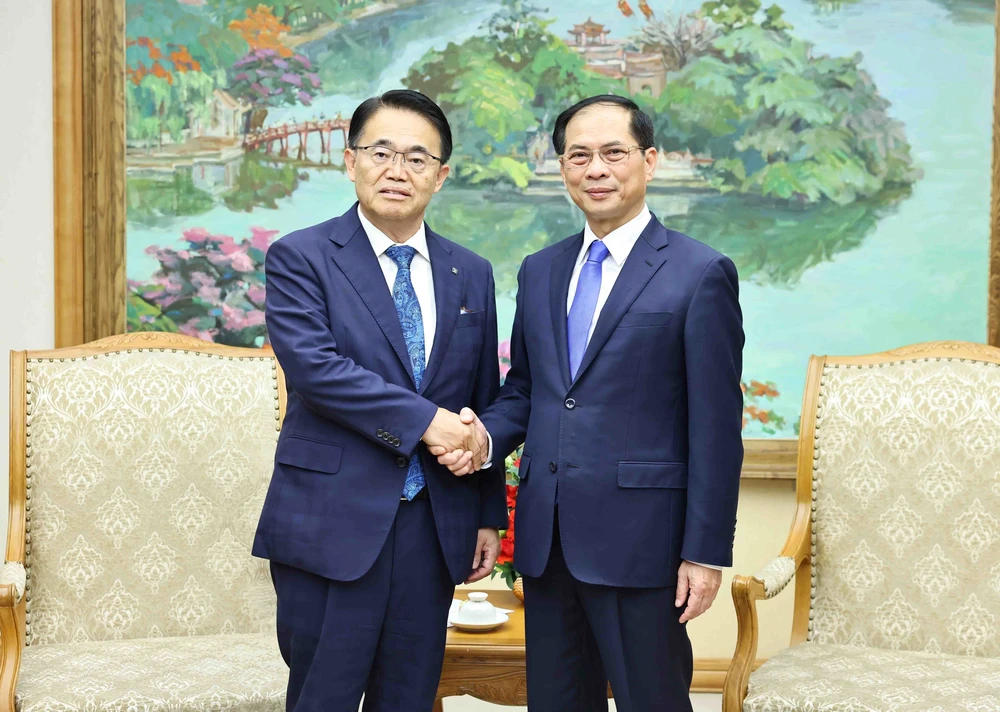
(203, 672)
(147, 470)
(905, 611)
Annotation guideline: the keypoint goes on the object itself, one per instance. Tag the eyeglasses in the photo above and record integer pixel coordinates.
(416, 161)
(581, 157)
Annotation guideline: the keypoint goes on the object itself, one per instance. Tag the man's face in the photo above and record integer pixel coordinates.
(608, 193)
(389, 189)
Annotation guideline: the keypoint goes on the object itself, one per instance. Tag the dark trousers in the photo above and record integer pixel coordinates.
(382, 635)
(580, 636)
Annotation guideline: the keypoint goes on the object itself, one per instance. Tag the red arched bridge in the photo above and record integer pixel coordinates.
(283, 133)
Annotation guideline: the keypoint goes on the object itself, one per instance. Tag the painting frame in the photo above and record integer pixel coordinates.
(90, 199)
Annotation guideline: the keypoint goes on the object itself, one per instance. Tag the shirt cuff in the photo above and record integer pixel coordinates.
(707, 566)
(489, 453)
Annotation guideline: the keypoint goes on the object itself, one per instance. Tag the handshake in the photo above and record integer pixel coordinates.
(459, 442)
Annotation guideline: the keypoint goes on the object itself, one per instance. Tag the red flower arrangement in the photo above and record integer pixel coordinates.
(505, 562)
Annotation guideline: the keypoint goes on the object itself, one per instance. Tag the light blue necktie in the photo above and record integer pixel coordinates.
(412, 321)
(581, 314)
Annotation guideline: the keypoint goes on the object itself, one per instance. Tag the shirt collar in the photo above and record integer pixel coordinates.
(382, 242)
(619, 241)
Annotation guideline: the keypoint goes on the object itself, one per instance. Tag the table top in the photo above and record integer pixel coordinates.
(509, 634)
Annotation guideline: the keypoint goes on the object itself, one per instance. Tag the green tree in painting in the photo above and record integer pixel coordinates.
(779, 120)
(295, 13)
(499, 87)
(179, 54)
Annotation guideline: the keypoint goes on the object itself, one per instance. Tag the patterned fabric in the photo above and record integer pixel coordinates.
(147, 473)
(776, 574)
(906, 518)
(215, 672)
(581, 314)
(839, 678)
(14, 573)
(412, 321)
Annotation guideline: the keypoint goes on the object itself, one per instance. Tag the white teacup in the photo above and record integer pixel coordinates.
(477, 609)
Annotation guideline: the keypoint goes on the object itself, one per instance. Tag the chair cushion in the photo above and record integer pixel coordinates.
(842, 678)
(212, 672)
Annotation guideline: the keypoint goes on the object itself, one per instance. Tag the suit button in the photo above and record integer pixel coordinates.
(553, 467)
(380, 432)
(570, 404)
(396, 441)
(401, 461)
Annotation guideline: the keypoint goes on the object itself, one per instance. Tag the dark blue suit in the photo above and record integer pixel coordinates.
(364, 580)
(627, 471)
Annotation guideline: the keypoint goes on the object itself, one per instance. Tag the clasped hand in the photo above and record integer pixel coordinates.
(459, 442)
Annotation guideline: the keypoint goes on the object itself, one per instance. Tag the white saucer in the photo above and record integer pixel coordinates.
(478, 627)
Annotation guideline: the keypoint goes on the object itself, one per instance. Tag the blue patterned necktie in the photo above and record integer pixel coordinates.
(581, 314)
(412, 321)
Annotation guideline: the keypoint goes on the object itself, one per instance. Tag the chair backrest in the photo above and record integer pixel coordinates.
(146, 460)
(906, 499)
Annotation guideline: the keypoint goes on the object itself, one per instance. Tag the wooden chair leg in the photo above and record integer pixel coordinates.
(438, 706)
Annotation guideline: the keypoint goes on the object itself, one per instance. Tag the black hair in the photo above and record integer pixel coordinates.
(406, 100)
(641, 125)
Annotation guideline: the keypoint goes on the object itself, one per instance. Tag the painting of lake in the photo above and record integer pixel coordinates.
(837, 150)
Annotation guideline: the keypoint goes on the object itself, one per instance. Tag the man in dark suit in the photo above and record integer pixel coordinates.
(384, 330)
(626, 356)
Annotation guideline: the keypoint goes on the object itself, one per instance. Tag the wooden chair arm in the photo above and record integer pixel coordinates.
(12, 616)
(767, 583)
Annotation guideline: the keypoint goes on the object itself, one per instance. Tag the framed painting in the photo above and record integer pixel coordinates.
(836, 150)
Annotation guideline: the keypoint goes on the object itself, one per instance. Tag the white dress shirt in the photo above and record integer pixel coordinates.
(619, 242)
(422, 278)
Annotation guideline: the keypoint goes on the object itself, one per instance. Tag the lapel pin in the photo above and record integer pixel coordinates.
(454, 270)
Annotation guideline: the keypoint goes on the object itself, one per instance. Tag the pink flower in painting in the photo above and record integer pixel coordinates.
(170, 283)
(195, 3)
(214, 290)
(256, 294)
(200, 279)
(191, 328)
(241, 262)
(503, 353)
(235, 319)
(210, 294)
(196, 235)
(227, 245)
(261, 238)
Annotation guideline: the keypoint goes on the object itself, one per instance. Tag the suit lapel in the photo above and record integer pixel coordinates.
(447, 296)
(642, 263)
(358, 262)
(560, 272)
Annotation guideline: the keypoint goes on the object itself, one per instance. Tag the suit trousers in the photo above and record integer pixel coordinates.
(381, 635)
(580, 636)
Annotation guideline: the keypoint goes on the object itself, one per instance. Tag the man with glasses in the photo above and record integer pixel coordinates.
(385, 331)
(626, 356)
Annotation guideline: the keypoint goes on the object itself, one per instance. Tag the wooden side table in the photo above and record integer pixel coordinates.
(490, 665)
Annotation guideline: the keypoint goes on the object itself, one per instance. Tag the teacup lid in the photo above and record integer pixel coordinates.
(478, 596)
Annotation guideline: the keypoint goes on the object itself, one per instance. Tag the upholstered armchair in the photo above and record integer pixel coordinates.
(139, 466)
(895, 545)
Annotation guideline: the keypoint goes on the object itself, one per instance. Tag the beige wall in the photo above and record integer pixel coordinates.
(764, 517)
(26, 245)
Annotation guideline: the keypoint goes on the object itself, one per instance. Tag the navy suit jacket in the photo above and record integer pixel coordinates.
(645, 446)
(353, 415)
